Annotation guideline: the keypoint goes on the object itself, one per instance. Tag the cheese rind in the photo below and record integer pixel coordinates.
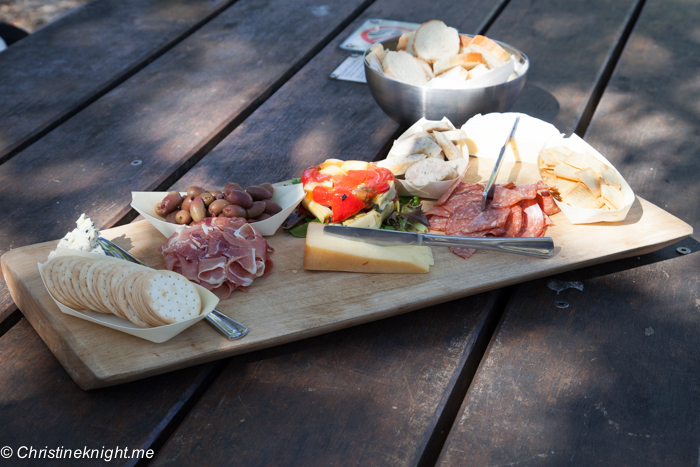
(330, 253)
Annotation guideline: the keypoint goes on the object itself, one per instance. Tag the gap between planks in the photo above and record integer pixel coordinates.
(603, 78)
(461, 381)
(113, 83)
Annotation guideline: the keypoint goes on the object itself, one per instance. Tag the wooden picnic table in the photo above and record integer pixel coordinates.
(201, 92)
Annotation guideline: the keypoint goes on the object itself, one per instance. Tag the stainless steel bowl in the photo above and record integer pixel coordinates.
(406, 103)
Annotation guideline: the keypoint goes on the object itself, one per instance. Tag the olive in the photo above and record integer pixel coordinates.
(256, 209)
(258, 193)
(186, 203)
(217, 206)
(240, 198)
(171, 202)
(233, 210)
(183, 217)
(261, 217)
(171, 217)
(271, 207)
(207, 197)
(159, 210)
(218, 194)
(268, 187)
(230, 186)
(194, 191)
(197, 210)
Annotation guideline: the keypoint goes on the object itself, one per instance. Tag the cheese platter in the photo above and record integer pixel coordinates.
(292, 303)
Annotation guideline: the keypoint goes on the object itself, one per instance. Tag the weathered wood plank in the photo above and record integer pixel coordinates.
(368, 395)
(42, 407)
(568, 44)
(647, 123)
(51, 74)
(610, 379)
(342, 120)
(163, 116)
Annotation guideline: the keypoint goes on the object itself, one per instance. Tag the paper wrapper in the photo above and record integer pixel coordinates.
(156, 334)
(589, 216)
(486, 135)
(432, 190)
(287, 196)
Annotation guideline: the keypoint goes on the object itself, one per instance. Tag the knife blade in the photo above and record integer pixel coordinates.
(540, 247)
(488, 192)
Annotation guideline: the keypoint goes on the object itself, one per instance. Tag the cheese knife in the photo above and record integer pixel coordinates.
(540, 247)
(488, 192)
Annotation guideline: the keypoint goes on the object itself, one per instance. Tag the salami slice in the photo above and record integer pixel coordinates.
(546, 202)
(507, 197)
(445, 196)
(486, 220)
(533, 219)
(439, 211)
(463, 252)
(515, 221)
(438, 223)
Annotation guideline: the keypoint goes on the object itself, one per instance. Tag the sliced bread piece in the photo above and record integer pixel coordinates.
(451, 151)
(404, 40)
(421, 145)
(378, 51)
(435, 40)
(455, 75)
(493, 54)
(404, 67)
(477, 71)
(399, 165)
(430, 170)
(467, 60)
(427, 68)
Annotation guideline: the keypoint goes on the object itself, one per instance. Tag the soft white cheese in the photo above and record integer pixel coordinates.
(82, 238)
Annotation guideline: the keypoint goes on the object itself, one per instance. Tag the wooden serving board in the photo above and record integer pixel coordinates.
(292, 304)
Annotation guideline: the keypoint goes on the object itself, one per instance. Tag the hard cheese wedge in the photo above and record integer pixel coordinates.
(325, 252)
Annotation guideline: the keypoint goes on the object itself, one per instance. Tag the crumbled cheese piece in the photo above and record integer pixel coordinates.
(82, 238)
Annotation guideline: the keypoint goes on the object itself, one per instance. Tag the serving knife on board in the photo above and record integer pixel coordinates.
(490, 188)
(540, 247)
(227, 327)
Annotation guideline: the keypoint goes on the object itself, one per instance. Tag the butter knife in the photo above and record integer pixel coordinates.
(540, 247)
(226, 326)
(488, 192)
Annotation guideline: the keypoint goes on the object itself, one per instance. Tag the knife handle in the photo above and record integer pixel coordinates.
(540, 247)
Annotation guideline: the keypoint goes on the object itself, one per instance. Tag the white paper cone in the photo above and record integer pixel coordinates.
(287, 196)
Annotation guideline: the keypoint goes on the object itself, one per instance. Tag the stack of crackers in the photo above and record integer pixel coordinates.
(581, 180)
(435, 49)
(143, 296)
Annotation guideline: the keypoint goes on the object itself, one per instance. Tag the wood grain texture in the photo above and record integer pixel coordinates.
(312, 118)
(610, 379)
(292, 303)
(161, 117)
(568, 44)
(363, 396)
(647, 122)
(40, 406)
(44, 78)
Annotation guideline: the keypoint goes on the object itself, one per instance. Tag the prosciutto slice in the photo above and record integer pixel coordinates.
(219, 253)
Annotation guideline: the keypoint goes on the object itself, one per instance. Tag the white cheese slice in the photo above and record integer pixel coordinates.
(330, 253)
(487, 133)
